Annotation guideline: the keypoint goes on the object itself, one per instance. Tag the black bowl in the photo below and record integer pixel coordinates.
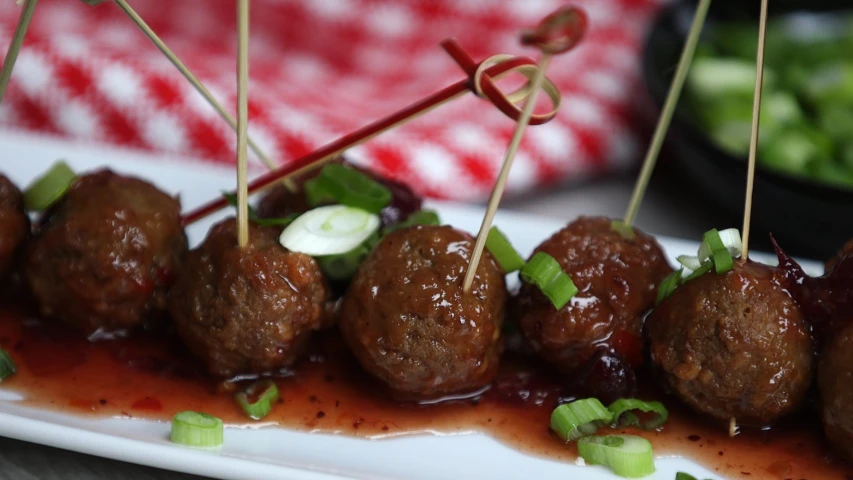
(808, 218)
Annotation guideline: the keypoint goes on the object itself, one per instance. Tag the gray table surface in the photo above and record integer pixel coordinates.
(669, 209)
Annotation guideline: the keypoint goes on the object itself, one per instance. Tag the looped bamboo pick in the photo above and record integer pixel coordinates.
(557, 33)
(332, 150)
(753, 139)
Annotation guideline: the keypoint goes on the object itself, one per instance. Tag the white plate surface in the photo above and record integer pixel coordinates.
(275, 452)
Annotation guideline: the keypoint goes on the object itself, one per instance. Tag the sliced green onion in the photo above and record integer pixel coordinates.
(196, 429)
(343, 266)
(580, 418)
(620, 408)
(330, 230)
(715, 242)
(628, 456)
(684, 476)
(47, 189)
(546, 273)
(622, 228)
(349, 187)
(668, 285)
(690, 262)
(421, 217)
(7, 366)
(705, 268)
(503, 251)
(719, 253)
(258, 399)
(253, 215)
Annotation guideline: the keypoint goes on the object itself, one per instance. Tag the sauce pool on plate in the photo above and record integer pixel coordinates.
(151, 376)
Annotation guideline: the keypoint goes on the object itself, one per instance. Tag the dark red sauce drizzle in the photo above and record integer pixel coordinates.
(149, 375)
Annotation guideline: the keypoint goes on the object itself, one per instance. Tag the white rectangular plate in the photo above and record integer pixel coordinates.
(275, 452)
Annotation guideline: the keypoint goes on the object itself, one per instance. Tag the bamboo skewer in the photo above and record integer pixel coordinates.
(756, 116)
(500, 184)
(15, 46)
(190, 76)
(559, 32)
(242, 121)
(667, 112)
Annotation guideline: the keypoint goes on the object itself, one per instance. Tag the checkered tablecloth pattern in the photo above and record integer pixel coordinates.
(321, 68)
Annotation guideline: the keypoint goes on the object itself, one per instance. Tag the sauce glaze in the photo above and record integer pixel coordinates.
(151, 376)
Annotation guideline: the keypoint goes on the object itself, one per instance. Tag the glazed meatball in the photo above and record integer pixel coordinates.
(617, 279)
(410, 325)
(733, 345)
(249, 310)
(104, 257)
(835, 380)
(14, 224)
(846, 250)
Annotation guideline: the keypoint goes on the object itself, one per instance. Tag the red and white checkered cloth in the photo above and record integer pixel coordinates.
(322, 68)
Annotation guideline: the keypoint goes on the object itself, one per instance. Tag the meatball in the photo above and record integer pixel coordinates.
(733, 345)
(410, 325)
(835, 380)
(617, 281)
(846, 250)
(249, 310)
(14, 224)
(104, 256)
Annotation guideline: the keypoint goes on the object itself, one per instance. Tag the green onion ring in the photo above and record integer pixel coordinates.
(421, 217)
(545, 272)
(196, 429)
(580, 418)
(50, 187)
(668, 285)
(258, 399)
(620, 408)
(348, 187)
(507, 257)
(628, 456)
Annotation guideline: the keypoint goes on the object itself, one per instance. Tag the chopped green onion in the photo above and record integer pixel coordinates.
(580, 418)
(343, 266)
(7, 366)
(253, 215)
(421, 217)
(705, 268)
(329, 230)
(500, 248)
(684, 476)
(622, 228)
(620, 408)
(196, 429)
(347, 186)
(628, 456)
(690, 262)
(668, 285)
(719, 253)
(47, 189)
(546, 273)
(258, 399)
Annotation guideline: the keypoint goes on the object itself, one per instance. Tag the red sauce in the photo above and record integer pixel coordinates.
(151, 376)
